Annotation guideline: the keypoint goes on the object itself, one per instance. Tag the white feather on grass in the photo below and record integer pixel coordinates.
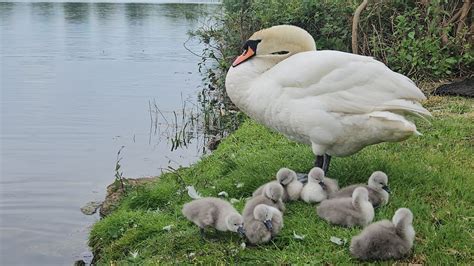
(193, 193)
(167, 228)
(134, 254)
(223, 194)
(233, 200)
(337, 240)
(296, 236)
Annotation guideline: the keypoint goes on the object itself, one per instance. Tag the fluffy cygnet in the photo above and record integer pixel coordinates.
(377, 187)
(318, 187)
(288, 179)
(385, 239)
(271, 197)
(267, 222)
(214, 212)
(348, 211)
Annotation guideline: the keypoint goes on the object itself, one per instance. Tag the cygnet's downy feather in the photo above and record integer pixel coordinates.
(348, 211)
(215, 213)
(272, 195)
(288, 179)
(377, 187)
(385, 239)
(266, 223)
(318, 187)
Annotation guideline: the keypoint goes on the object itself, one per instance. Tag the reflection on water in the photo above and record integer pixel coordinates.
(76, 80)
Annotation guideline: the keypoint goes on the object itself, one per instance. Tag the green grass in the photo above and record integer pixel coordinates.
(433, 175)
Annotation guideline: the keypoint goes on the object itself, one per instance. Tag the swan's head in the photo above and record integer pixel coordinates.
(379, 181)
(235, 223)
(316, 175)
(285, 176)
(264, 214)
(274, 191)
(402, 215)
(276, 44)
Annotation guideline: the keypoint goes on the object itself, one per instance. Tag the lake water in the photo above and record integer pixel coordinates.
(76, 80)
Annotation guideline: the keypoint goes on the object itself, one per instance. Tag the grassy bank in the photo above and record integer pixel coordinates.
(433, 175)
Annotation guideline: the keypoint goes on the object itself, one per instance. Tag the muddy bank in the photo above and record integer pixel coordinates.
(115, 193)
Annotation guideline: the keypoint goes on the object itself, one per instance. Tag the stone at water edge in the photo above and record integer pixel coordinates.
(85, 258)
(91, 207)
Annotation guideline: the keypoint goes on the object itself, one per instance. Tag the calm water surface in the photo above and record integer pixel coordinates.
(76, 79)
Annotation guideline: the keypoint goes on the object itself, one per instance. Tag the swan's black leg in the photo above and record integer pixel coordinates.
(326, 161)
(319, 161)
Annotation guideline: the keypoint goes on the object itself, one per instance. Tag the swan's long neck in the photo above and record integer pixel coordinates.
(239, 79)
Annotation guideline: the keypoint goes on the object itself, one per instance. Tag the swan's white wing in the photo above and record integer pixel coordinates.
(343, 83)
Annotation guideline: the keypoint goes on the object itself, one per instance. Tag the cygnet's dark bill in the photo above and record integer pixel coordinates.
(241, 230)
(268, 224)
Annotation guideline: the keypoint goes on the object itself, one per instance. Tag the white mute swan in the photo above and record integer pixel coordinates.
(334, 101)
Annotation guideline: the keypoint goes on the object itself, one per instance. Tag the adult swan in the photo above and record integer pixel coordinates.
(334, 101)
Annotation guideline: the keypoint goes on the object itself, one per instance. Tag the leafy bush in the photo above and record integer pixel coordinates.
(407, 36)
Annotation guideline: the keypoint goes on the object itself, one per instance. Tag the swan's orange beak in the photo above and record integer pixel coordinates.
(247, 54)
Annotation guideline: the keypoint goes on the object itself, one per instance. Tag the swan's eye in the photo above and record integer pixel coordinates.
(280, 52)
(252, 44)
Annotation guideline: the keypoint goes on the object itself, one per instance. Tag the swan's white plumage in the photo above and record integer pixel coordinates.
(335, 101)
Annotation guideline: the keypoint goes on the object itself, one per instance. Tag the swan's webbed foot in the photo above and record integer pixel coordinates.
(303, 178)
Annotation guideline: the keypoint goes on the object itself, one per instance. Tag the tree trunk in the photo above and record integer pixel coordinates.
(355, 25)
(462, 20)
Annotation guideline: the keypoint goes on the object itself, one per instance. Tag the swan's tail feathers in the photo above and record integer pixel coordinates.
(405, 106)
(396, 122)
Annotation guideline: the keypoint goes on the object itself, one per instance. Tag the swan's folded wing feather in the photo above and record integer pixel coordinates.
(344, 83)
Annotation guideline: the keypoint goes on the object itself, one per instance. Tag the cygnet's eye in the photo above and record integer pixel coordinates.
(381, 183)
(280, 52)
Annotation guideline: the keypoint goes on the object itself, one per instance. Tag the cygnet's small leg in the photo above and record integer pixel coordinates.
(326, 161)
